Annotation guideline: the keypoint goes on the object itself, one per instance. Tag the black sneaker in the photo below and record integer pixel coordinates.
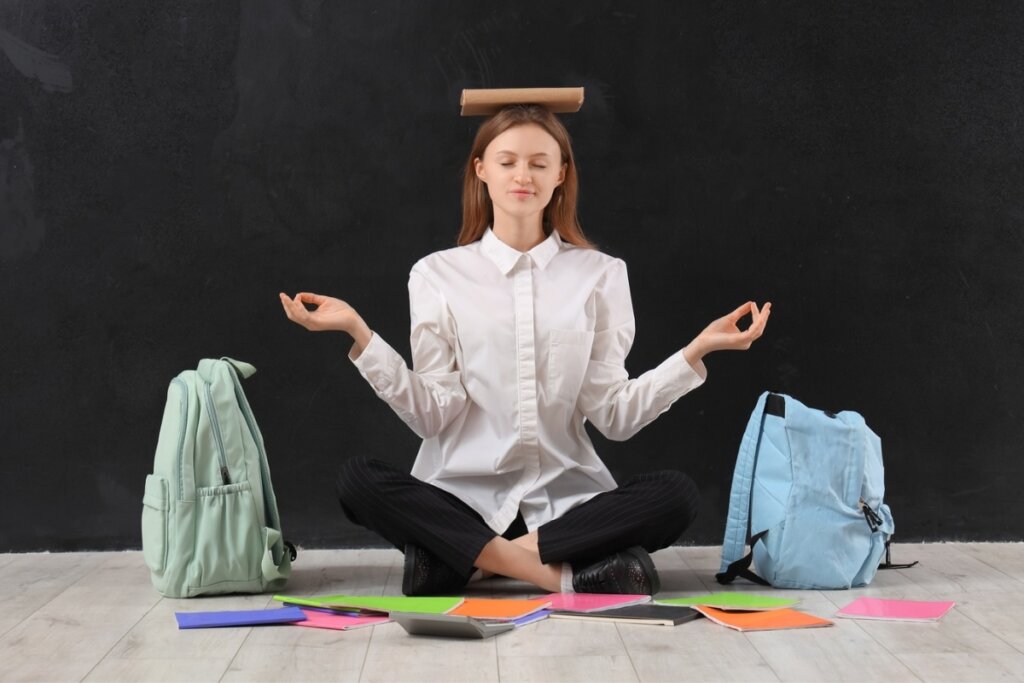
(426, 575)
(628, 572)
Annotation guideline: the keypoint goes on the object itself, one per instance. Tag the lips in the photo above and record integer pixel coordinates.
(522, 193)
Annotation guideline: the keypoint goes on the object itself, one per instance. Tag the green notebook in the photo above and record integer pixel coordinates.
(377, 603)
(733, 601)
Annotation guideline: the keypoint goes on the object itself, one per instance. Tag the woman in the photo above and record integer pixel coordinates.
(518, 335)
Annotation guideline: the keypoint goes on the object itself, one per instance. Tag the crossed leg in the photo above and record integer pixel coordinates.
(650, 510)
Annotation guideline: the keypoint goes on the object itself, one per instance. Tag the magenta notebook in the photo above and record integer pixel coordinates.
(895, 610)
(338, 622)
(592, 602)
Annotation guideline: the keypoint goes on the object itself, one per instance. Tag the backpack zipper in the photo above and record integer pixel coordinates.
(183, 403)
(224, 476)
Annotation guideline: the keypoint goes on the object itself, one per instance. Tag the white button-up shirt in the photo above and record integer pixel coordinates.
(511, 353)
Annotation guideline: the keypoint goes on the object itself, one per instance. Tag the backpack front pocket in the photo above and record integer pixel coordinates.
(154, 522)
(229, 543)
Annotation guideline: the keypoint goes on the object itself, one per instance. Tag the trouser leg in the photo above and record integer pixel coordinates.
(650, 510)
(403, 509)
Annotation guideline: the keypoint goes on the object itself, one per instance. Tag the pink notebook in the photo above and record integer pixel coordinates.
(895, 610)
(592, 602)
(338, 622)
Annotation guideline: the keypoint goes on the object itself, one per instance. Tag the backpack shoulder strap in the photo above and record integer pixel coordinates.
(276, 563)
(737, 530)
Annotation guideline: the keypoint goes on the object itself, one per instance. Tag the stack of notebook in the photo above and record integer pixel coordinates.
(474, 618)
(631, 609)
(483, 617)
(746, 612)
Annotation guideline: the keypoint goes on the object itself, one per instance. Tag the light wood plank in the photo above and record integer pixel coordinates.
(946, 570)
(843, 652)
(297, 653)
(394, 655)
(561, 638)
(31, 580)
(953, 648)
(997, 612)
(1007, 558)
(80, 624)
(166, 670)
(697, 650)
(584, 669)
(965, 666)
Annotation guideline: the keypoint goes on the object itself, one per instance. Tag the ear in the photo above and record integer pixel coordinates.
(478, 166)
(561, 174)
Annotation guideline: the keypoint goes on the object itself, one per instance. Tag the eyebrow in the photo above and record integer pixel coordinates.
(535, 154)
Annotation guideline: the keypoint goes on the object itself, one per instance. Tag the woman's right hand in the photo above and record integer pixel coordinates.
(329, 314)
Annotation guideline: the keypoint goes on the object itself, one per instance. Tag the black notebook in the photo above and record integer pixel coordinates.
(647, 613)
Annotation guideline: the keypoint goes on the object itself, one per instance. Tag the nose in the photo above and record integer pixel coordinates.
(523, 176)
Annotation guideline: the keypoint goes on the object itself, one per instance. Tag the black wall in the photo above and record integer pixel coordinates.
(167, 167)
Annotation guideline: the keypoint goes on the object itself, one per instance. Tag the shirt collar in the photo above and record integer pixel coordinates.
(506, 257)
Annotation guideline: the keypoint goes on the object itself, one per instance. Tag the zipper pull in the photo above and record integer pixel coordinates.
(224, 476)
(872, 518)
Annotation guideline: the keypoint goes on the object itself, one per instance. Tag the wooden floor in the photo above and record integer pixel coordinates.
(95, 617)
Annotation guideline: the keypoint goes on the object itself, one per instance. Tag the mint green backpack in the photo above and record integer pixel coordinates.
(209, 516)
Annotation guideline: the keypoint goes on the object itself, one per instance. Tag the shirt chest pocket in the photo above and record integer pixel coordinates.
(568, 356)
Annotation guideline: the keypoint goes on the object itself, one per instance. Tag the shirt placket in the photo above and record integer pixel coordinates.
(526, 366)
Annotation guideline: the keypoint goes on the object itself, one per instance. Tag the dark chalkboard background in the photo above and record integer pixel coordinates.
(167, 167)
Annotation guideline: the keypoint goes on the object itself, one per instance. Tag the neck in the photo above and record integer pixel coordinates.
(522, 234)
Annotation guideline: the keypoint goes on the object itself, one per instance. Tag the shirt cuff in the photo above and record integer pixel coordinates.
(676, 377)
(377, 363)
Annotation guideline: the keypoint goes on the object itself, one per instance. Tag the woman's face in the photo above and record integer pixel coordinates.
(521, 168)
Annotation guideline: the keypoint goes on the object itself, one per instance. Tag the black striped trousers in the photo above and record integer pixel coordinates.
(650, 510)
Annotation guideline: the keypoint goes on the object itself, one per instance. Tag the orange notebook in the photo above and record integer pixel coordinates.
(502, 610)
(762, 621)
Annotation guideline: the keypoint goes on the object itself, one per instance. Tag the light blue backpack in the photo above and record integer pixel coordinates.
(807, 497)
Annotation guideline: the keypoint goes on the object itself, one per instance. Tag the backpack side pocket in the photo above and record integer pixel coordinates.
(155, 504)
(229, 543)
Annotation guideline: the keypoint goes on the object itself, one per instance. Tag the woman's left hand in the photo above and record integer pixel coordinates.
(725, 334)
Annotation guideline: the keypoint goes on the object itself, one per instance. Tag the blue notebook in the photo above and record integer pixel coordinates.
(250, 617)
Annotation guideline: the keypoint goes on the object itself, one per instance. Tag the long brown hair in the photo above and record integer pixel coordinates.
(559, 214)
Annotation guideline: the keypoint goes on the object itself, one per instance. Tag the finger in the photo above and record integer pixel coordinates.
(284, 304)
(310, 298)
(759, 325)
(755, 315)
(296, 312)
(739, 312)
